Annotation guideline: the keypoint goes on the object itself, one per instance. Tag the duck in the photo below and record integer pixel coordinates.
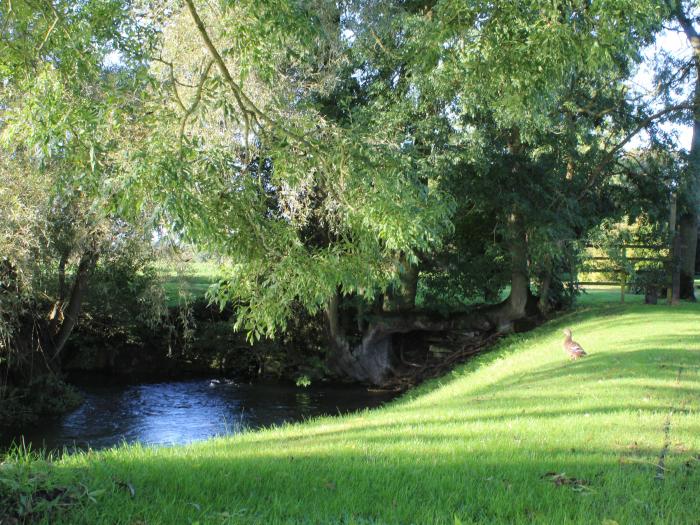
(571, 347)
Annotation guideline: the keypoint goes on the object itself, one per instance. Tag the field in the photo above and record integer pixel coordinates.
(189, 280)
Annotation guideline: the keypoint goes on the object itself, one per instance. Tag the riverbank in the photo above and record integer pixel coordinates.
(518, 435)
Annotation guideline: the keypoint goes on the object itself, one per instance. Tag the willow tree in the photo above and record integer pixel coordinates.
(240, 161)
(64, 117)
(310, 143)
(306, 143)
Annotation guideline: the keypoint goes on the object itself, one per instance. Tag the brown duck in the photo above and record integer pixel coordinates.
(571, 347)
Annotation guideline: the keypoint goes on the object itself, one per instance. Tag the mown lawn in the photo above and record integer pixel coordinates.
(189, 280)
(599, 295)
(520, 435)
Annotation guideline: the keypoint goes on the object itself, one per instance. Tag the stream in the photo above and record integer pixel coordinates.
(179, 412)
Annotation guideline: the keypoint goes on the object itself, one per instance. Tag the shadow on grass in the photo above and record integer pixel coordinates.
(482, 456)
(421, 468)
(405, 483)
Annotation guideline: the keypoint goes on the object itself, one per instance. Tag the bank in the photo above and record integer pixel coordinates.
(517, 435)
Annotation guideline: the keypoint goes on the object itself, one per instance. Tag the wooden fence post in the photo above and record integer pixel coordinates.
(623, 275)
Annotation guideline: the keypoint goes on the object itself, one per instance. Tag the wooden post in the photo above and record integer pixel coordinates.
(623, 275)
(622, 287)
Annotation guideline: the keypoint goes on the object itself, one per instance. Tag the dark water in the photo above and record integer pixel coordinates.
(185, 411)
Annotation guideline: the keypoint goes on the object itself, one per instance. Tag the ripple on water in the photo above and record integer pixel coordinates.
(180, 412)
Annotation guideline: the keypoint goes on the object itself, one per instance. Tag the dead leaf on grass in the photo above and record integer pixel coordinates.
(561, 480)
(127, 486)
(329, 485)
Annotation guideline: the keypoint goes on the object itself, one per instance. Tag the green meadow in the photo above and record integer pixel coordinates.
(189, 280)
(518, 435)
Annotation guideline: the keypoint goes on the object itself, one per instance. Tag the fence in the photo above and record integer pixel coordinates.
(626, 267)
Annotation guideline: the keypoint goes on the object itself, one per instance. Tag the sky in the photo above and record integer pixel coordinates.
(675, 42)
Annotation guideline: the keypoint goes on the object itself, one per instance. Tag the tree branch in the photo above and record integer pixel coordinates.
(610, 155)
(85, 266)
(251, 113)
(196, 100)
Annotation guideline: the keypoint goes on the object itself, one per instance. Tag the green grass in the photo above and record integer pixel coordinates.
(599, 295)
(481, 445)
(191, 279)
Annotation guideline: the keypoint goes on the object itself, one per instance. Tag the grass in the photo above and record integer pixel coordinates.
(600, 295)
(519, 435)
(191, 279)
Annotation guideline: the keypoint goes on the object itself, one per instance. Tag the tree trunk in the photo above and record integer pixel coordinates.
(372, 358)
(62, 278)
(56, 316)
(689, 233)
(402, 296)
(689, 220)
(520, 278)
(688, 240)
(87, 263)
(543, 299)
(369, 361)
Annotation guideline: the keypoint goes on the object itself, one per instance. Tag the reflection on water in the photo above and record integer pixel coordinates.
(185, 411)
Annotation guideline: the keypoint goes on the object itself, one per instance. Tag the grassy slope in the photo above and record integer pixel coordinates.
(471, 447)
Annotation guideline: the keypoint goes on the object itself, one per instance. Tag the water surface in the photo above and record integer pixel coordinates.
(180, 412)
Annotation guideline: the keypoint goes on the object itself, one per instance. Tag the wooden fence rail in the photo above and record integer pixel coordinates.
(624, 273)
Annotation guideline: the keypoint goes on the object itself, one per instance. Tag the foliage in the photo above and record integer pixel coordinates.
(649, 238)
(65, 121)
(29, 493)
(324, 149)
(126, 288)
(313, 144)
(309, 216)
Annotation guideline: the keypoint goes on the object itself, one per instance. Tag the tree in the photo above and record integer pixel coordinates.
(683, 14)
(324, 148)
(307, 210)
(65, 118)
(526, 99)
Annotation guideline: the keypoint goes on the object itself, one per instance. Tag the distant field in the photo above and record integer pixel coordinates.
(592, 295)
(189, 278)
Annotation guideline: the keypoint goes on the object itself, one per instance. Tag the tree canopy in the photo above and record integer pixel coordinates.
(348, 156)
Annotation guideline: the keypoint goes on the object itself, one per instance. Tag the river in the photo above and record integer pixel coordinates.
(179, 412)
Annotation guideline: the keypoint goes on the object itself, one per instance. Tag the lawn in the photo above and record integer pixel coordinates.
(599, 295)
(189, 280)
(519, 435)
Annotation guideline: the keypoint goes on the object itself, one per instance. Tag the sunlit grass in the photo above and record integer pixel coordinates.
(602, 294)
(189, 280)
(482, 445)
